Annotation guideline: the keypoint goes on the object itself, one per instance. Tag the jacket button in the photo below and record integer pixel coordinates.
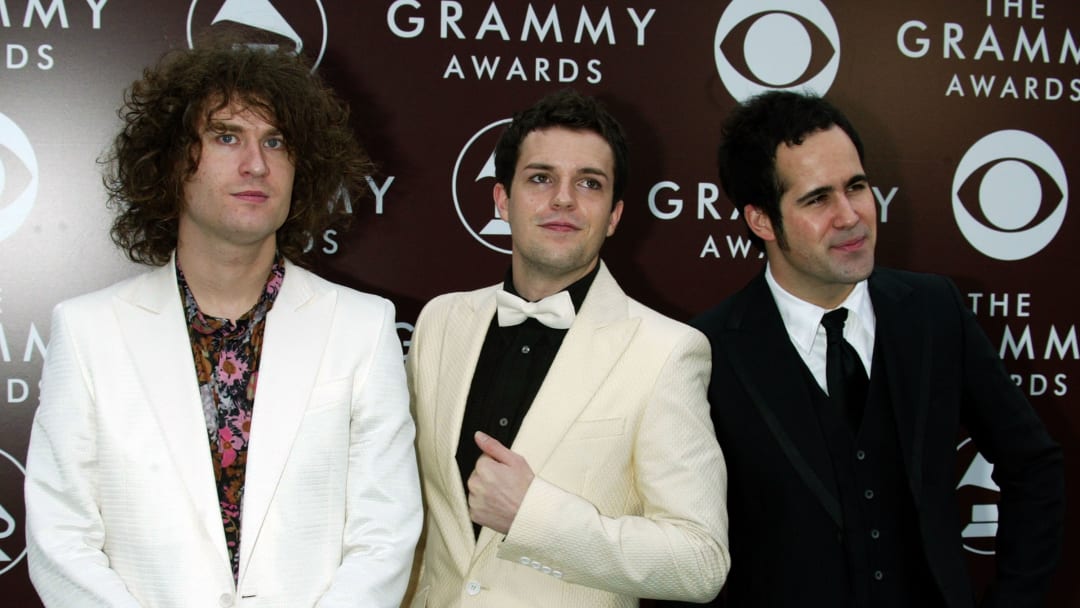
(472, 588)
(225, 600)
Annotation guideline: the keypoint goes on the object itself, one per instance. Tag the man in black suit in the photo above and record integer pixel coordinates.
(842, 482)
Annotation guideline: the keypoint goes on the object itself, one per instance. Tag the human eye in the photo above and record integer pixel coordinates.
(592, 183)
(538, 178)
(227, 138)
(275, 143)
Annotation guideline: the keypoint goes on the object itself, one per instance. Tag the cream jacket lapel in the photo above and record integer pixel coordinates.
(593, 344)
(444, 393)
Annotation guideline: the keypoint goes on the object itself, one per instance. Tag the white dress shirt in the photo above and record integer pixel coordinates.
(803, 323)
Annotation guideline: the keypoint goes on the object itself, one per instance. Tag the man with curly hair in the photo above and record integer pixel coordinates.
(227, 428)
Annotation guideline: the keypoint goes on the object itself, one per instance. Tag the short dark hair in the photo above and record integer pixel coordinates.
(751, 136)
(159, 147)
(571, 110)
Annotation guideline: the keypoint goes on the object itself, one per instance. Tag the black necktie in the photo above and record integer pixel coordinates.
(844, 371)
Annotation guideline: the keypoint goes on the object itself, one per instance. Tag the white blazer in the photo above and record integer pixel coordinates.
(630, 489)
(121, 502)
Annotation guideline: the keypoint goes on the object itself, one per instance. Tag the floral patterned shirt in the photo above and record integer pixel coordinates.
(227, 366)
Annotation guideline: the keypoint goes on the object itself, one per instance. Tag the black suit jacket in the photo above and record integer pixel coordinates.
(942, 373)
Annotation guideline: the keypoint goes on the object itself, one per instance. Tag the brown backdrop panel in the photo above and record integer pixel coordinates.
(967, 111)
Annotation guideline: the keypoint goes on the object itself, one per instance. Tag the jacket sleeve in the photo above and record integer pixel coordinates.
(677, 548)
(65, 534)
(1028, 467)
(383, 511)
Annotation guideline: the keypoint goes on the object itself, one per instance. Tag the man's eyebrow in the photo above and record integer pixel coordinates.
(858, 177)
(816, 192)
(583, 170)
(593, 171)
(227, 126)
(222, 125)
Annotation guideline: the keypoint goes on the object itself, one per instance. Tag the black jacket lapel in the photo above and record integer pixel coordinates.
(904, 340)
(774, 376)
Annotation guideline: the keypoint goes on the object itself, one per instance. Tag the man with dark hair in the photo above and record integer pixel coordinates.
(838, 391)
(228, 428)
(565, 447)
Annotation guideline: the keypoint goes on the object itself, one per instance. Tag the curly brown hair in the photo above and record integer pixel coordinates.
(158, 149)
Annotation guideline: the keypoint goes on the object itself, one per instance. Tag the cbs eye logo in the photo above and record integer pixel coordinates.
(776, 45)
(1009, 195)
(18, 177)
(263, 17)
(471, 184)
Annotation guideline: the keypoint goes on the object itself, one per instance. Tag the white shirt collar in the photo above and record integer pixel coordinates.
(803, 319)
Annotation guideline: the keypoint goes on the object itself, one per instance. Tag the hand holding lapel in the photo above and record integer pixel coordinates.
(497, 485)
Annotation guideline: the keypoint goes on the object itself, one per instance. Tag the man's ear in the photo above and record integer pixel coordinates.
(759, 223)
(502, 201)
(613, 219)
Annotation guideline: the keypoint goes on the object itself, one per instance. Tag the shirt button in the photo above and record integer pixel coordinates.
(504, 422)
(535, 565)
(525, 560)
(556, 574)
(878, 575)
(875, 534)
(472, 588)
(869, 494)
(546, 569)
(860, 455)
(525, 349)
(226, 600)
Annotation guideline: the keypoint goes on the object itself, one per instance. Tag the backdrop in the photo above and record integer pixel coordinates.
(968, 110)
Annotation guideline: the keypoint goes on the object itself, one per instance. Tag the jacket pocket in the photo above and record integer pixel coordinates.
(595, 429)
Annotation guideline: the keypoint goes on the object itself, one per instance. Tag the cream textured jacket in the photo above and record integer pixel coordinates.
(629, 495)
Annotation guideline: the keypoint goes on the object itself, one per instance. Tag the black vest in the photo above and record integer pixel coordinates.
(886, 563)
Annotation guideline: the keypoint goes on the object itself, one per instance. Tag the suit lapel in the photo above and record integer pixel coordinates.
(151, 319)
(296, 334)
(466, 327)
(593, 344)
(903, 339)
(760, 352)
(597, 339)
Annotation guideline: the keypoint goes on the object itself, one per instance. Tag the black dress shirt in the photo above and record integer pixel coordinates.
(512, 366)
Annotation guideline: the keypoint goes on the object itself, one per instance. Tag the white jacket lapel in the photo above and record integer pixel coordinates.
(294, 339)
(151, 317)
